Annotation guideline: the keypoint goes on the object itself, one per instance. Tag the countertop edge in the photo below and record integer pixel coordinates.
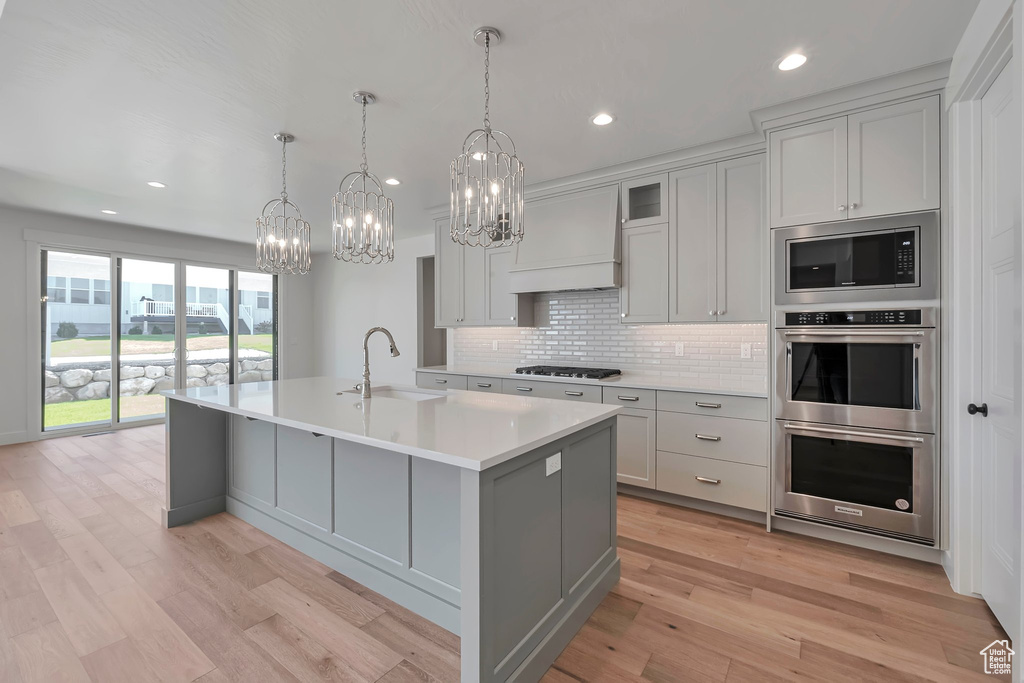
(426, 454)
(627, 384)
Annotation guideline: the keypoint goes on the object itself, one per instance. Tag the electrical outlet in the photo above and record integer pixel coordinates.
(745, 350)
(494, 345)
(680, 349)
(553, 464)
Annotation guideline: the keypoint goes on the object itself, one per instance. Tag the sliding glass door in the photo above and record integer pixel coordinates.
(127, 327)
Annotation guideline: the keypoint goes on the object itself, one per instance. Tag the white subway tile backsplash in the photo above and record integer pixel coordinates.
(583, 328)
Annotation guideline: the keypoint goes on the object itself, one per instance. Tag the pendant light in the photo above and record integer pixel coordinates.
(487, 177)
(363, 218)
(282, 236)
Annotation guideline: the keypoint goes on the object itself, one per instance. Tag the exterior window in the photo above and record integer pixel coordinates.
(262, 299)
(101, 292)
(79, 290)
(163, 292)
(190, 295)
(56, 290)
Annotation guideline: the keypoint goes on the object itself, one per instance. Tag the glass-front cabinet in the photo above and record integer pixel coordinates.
(645, 201)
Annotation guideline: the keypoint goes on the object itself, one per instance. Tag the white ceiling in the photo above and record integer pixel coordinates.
(98, 97)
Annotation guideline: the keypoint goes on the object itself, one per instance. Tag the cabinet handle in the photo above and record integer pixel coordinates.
(316, 434)
(574, 393)
(854, 205)
(524, 388)
(701, 404)
(705, 437)
(628, 398)
(841, 207)
(711, 312)
(512, 318)
(722, 312)
(622, 314)
(707, 480)
(441, 381)
(623, 220)
(483, 385)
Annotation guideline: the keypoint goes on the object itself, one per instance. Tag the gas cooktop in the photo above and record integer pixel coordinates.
(567, 371)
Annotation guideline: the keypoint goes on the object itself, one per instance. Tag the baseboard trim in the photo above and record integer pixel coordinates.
(193, 511)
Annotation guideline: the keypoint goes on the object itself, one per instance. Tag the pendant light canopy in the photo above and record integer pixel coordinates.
(487, 177)
(282, 236)
(363, 218)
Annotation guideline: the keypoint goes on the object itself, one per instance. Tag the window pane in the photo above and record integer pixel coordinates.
(147, 338)
(256, 328)
(76, 344)
(208, 326)
(80, 282)
(101, 285)
(101, 298)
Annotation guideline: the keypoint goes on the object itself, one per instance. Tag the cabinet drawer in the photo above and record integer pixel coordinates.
(715, 405)
(522, 387)
(440, 380)
(721, 438)
(488, 384)
(744, 486)
(630, 398)
(571, 392)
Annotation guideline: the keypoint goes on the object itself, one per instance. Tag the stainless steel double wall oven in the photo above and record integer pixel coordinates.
(856, 375)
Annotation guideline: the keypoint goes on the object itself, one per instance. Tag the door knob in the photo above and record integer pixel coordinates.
(974, 410)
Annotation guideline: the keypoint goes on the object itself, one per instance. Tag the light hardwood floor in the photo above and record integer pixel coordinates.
(93, 588)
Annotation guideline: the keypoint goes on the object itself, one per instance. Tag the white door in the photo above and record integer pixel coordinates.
(894, 158)
(742, 241)
(1000, 458)
(644, 297)
(808, 173)
(692, 246)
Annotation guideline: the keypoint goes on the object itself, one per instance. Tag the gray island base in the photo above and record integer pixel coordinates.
(511, 549)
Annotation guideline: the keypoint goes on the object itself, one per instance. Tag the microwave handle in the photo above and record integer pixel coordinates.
(851, 432)
(853, 333)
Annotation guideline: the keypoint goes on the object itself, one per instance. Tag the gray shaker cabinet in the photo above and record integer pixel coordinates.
(644, 297)
(692, 245)
(637, 448)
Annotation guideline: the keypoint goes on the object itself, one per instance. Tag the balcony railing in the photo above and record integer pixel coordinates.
(166, 309)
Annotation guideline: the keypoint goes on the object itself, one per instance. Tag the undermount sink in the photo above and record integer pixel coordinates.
(400, 394)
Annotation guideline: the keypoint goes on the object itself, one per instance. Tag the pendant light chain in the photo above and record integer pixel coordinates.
(364, 166)
(284, 170)
(487, 82)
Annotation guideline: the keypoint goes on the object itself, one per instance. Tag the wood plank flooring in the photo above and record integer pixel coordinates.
(92, 588)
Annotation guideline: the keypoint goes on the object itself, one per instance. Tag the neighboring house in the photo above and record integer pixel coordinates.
(78, 291)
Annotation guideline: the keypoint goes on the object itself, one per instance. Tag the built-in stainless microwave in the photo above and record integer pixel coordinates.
(893, 258)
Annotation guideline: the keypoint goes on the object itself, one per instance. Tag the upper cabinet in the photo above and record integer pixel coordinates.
(502, 308)
(872, 163)
(712, 252)
(645, 201)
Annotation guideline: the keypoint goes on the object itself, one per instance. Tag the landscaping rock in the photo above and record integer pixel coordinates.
(57, 395)
(267, 376)
(92, 391)
(216, 380)
(101, 376)
(131, 372)
(52, 380)
(217, 369)
(249, 365)
(197, 371)
(170, 371)
(155, 371)
(75, 378)
(136, 386)
(250, 376)
(195, 382)
(265, 365)
(163, 384)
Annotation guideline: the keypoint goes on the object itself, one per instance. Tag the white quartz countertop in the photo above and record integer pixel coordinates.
(467, 429)
(625, 380)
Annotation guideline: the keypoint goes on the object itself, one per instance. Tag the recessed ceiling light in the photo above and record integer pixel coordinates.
(155, 183)
(602, 119)
(792, 61)
(393, 181)
(109, 212)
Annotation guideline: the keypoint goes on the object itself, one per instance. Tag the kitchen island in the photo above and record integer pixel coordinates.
(491, 515)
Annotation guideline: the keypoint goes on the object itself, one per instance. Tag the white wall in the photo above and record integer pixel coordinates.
(351, 298)
(19, 310)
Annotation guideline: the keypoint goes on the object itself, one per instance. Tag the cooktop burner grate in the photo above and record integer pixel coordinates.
(568, 371)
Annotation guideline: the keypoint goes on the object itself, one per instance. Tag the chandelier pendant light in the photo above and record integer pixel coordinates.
(362, 216)
(282, 236)
(487, 177)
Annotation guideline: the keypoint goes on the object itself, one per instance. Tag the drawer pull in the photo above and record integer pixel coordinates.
(701, 404)
(524, 388)
(441, 381)
(316, 434)
(708, 480)
(483, 385)
(629, 398)
(574, 393)
(705, 437)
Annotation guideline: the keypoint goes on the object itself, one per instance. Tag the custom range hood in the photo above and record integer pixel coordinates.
(571, 242)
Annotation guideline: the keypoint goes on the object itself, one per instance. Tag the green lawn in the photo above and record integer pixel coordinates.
(81, 412)
(155, 343)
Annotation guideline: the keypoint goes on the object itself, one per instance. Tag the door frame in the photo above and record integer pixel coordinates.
(962, 294)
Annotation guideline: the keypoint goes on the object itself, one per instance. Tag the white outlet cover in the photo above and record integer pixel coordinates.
(745, 350)
(553, 464)
(680, 348)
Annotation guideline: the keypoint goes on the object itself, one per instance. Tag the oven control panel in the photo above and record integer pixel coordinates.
(910, 316)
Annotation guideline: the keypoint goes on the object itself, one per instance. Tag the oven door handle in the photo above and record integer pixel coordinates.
(851, 432)
(853, 333)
